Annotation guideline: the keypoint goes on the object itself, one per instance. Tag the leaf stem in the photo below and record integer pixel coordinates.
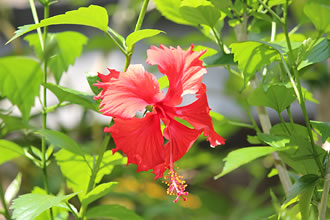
(4, 204)
(290, 114)
(277, 18)
(325, 194)
(298, 87)
(36, 21)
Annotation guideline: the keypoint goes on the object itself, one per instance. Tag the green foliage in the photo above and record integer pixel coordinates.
(29, 206)
(243, 156)
(252, 56)
(277, 97)
(318, 53)
(163, 82)
(20, 79)
(299, 156)
(199, 12)
(115, 212)
(318, 12)
(219, 59)
(61, 50)
(98, 192)
(73, 96)
(12, 123)
(323, 128)
(136, 36)
(9, 150)
(13, 188)
(93, 16)
(274, 141)
(78, 172)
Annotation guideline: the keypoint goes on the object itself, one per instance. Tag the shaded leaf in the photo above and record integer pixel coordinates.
(136, 36)
(243, 156)
(252, 56)
(12, 123)
(300, 185)
(115, 212)
(277, 97)
(199, 12)
(93, 16)
(219, 59)
(318, 53)
(9, 150)
(305, 198)
(61, 140)
(323, 127)
(318, 12)
(73, 96)
(20, 79)
(29, 206)
(92, 78)
(98, 192)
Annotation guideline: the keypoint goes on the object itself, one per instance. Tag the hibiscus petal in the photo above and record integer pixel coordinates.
(104, 82)
(132, 91)
(140, 139)
(183, 68)
(197, 114)
(180, 139)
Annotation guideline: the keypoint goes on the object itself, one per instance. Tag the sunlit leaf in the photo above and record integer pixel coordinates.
(277, 97)
(323, 127)
(77, 172)
(243, 156)
(170, 10)
(318, 12)
(115, 212)
(199, 12)
(73, 96)
(13, 188)
(252, 56)
(63, 48)
(163, 82)
(29, 206)
(274, 141)
(9, 150)
(98, 192)
(20, 79)
(136, 36)
(93, 16)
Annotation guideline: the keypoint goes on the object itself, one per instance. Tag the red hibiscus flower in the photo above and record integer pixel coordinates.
(141, 139)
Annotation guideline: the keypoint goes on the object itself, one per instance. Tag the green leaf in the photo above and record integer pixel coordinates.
(136, 36)
(274, 141)
(277, 97)
(13, 188)
(318, 12)
(272, 3)
(219, 59)
(93, 78)
(170, 10)
(305, 201)
(9, 150)
(20, 79)
(252, 56)
(163, 82)
(299, 155)
(93, 16)
(323, 128)
(29, 206)
(308, 95)
(63, 47)
(300, 185)
(209, 51)
(73, 96)
(318, 53)
(61, 140)
(12, 123)
(77, 172)
(243, 156)
(98, 192)
(115, 212)
(199, 12)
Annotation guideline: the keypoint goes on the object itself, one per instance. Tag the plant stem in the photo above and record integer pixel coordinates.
(137, 27)
(325, 194)
(36, 21)
(300, 97)
(290, 115)
(4, 204)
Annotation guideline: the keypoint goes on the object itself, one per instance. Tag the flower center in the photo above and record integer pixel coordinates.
(176, 185)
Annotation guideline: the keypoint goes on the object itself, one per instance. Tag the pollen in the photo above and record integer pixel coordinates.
(176, 185)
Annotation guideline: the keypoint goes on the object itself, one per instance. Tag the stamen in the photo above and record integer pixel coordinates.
(176, 185)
